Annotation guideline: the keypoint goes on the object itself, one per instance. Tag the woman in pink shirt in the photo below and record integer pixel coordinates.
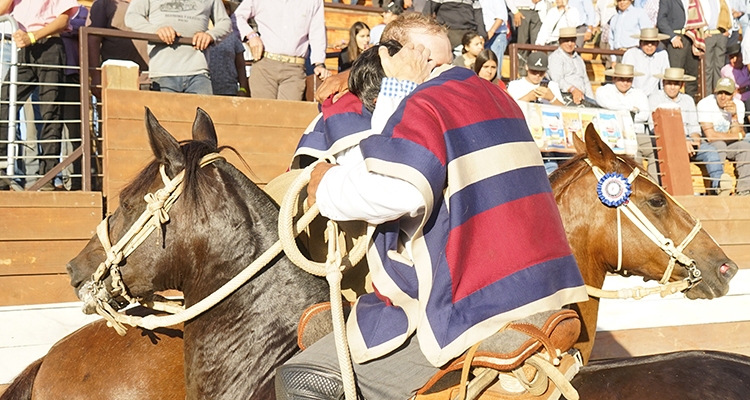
(40, 23)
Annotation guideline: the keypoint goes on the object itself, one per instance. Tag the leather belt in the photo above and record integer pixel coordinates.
(525, 8)
(283, 58)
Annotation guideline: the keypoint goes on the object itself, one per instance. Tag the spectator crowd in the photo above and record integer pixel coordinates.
(663, 42)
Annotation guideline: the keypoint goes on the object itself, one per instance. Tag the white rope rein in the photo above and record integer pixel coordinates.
(332, 269)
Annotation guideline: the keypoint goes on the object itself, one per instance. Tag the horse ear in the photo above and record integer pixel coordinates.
(598, 152)
(203, 128)
(578, 144)
(165, 147)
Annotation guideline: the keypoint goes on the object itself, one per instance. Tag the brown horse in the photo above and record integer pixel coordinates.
(583, 214)
(591, 228)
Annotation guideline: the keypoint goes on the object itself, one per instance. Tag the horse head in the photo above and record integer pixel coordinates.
(201, 224)
(670, 230)
(146, 255)
(618, 220)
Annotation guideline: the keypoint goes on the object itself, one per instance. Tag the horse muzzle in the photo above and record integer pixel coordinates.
(94, 294)
(715, 282)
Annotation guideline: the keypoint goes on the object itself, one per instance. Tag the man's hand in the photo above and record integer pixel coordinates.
(589, 34)
(256, 47)
(542, 92)
(517, 18)
(315, 177)
(690, 148)
(22, 39)
(577, 95)
(677, 42)
(336, 85)
(322, 72)
(167, 34)
(731, 107)
(411, 63)
(202, 40)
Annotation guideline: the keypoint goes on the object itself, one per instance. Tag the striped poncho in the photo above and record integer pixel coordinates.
(339, 126)
(490, 247)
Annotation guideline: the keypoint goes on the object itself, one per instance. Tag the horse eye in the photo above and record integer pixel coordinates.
(126, 205)
(657, 201)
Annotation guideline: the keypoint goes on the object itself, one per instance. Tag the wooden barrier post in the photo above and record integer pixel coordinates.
(117, 74)
(673, 157)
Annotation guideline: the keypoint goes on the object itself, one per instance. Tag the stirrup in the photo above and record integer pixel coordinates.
(308, 382)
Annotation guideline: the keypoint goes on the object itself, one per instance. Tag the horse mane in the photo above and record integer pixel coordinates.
(194, 188)
(576, 167)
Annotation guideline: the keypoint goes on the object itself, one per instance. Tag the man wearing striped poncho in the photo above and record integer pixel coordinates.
(467, 233)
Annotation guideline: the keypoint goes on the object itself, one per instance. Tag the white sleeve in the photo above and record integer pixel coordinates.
(546, 30)
(704, 111)
(350, 192)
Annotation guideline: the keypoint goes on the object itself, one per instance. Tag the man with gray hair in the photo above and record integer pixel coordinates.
(431, 302)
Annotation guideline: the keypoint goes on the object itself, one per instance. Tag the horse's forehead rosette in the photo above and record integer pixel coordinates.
(613, 189)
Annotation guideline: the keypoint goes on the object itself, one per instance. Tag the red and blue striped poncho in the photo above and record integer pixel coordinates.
(490, 248)
(339, 126)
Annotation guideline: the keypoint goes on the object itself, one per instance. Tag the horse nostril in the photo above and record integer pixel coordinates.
(727, 270)
(723, 269)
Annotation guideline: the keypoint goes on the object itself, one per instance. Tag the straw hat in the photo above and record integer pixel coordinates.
(622, 71)
(569, 32)
(675, 74)
(650, 35)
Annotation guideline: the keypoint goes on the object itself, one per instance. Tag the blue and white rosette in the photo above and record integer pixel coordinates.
(613, 189)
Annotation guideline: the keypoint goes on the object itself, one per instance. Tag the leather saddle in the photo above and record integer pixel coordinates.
(515, 363)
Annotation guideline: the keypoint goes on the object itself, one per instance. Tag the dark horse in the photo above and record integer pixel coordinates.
(231, 351)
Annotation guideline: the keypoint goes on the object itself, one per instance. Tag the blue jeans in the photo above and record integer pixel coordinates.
(497, 44)
(707, 154)
(197, 84)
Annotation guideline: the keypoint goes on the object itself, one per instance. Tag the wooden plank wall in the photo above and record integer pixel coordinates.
(264, 132)
(340, 18)
(39, 233)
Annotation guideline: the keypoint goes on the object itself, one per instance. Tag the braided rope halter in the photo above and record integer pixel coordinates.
(97, 299)
(94, 294)
(614, 191)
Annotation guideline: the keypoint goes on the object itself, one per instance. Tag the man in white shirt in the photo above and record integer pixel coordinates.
(621, 95)
(673, 80)
(648, 59)
(561, 16)
(719, 116)
(534, 87)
